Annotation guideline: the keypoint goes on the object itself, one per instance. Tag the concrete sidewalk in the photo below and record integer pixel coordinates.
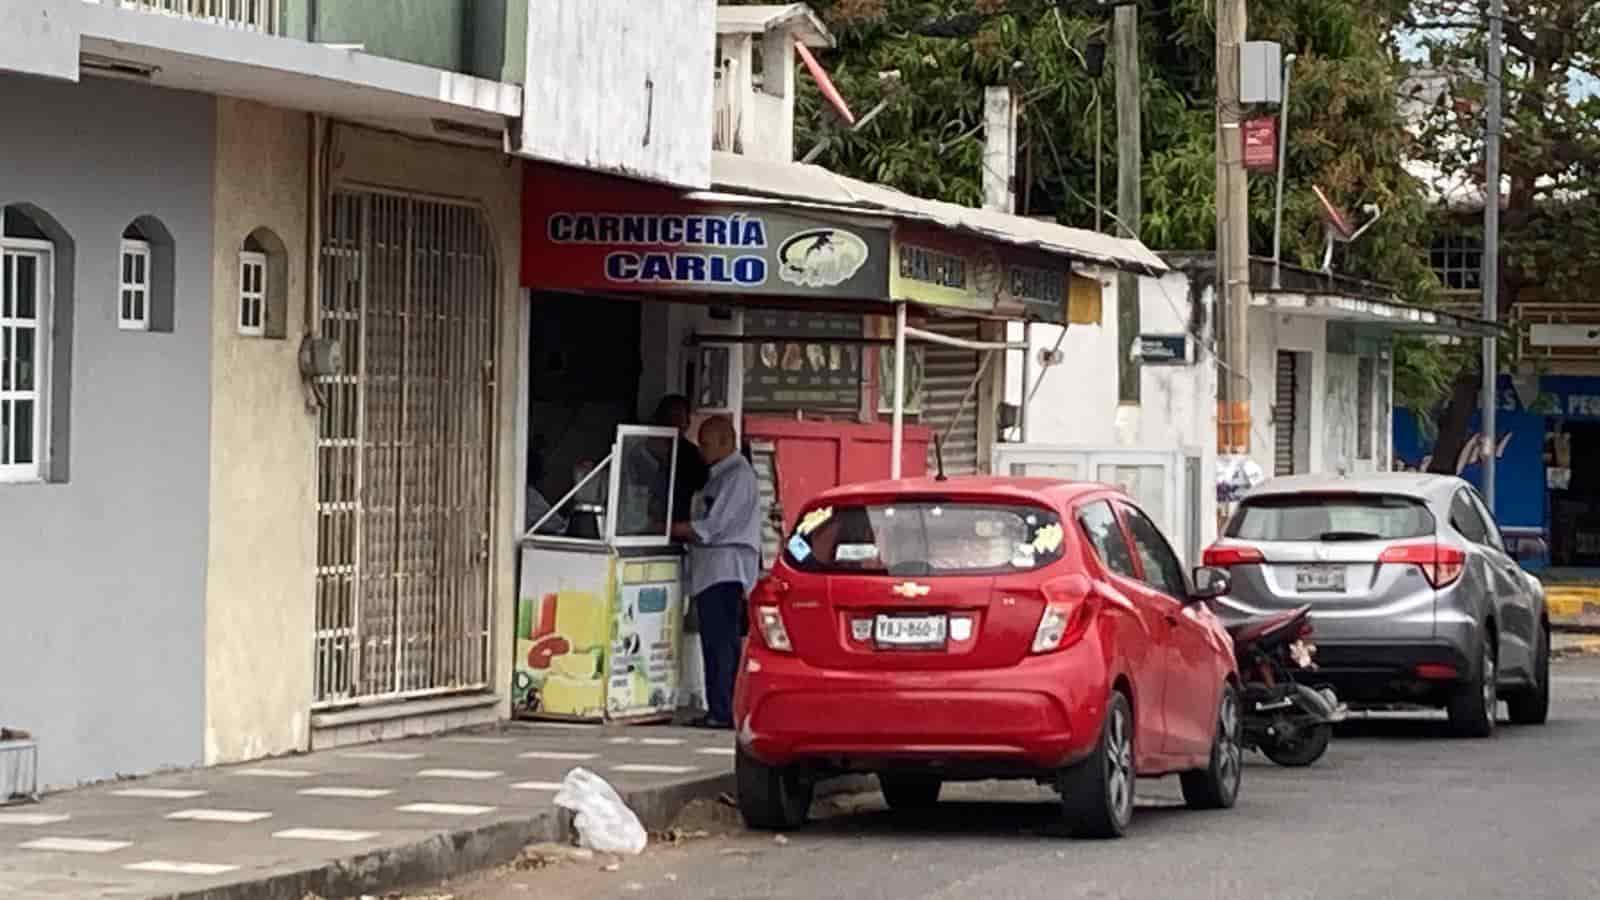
(345, 822)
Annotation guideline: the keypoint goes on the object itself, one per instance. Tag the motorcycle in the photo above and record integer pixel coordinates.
(1289, 722)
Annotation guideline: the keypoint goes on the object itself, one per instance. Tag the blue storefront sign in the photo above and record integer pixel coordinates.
(1522, 500)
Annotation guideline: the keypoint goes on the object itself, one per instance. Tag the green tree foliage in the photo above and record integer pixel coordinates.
(1346, 133)
(1550, 150)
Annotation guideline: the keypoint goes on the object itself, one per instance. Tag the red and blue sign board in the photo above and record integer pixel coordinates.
(584, 232)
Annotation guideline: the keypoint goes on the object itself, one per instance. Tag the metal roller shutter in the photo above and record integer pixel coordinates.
(948, 376)
(1283, 415)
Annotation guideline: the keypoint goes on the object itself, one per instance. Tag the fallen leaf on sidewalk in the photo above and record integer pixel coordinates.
(540, 856)
(678, 835)
(780, 840)
(611, 867)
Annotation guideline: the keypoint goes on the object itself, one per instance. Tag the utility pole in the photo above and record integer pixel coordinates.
(1491, 250)
(1130, 159)
(1233, 236)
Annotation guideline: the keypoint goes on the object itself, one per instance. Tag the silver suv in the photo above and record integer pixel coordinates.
(1414, 599)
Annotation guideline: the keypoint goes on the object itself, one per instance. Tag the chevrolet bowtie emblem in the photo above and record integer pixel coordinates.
(911, 590)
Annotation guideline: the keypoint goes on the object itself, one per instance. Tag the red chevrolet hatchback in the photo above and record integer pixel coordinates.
(932, 631)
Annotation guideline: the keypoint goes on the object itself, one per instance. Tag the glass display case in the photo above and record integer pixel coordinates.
(599, 595)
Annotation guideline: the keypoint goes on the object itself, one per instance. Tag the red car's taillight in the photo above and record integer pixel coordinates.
(1441, 564)
(767, 614)
(1221, 556)
(1066, 612)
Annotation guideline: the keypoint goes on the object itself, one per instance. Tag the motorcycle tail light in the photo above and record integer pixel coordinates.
(1223, 556)
(1065, 614)
(1442, 564)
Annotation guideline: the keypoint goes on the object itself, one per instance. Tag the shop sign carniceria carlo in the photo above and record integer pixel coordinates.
(597, 234)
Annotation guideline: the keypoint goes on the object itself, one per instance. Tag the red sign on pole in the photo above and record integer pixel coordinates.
(1261, 144)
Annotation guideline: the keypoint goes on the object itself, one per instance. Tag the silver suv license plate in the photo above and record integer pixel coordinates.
(1319, 578)
(910, 631)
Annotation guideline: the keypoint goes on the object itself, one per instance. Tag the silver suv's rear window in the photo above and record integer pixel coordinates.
(922, 538)
(1331, 517)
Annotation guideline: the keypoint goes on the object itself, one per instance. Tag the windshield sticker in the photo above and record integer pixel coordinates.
(1048, 539)
(1023, 557)
(814, 520)
(799, 549)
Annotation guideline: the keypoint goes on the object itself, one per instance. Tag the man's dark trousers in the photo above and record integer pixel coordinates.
(717, 609)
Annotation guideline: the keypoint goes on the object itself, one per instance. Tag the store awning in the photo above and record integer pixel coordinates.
(800, 185)
(1389, 314)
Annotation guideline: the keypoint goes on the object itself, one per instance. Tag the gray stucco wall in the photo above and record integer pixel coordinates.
(102, 577)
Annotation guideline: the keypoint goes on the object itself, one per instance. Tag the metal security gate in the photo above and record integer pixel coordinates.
(405, 449)
(949, 401)
(1283, 415)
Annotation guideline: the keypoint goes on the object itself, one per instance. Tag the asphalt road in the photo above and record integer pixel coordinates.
(1396, 809)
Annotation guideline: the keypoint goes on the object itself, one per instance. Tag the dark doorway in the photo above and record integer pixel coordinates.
(1575, 511)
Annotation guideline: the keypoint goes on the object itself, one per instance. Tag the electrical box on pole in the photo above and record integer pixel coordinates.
(1261, 72)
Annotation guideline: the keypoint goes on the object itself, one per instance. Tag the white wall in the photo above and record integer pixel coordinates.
(622, 87)
(1077, 403)
(1269, 333)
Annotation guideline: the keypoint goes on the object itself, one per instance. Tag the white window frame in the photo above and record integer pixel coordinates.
(249, 299)
(43, 252)
(138, 251)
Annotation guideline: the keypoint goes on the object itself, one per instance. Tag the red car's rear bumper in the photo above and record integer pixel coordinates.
(1039, 715)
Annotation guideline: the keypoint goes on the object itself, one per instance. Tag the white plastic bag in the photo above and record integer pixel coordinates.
(605, 824)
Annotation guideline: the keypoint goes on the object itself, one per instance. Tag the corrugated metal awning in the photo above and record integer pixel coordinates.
(799, 184)
(1370, 311)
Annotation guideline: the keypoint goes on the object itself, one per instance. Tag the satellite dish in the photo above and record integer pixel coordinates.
(1336, 226)
(1336, 217)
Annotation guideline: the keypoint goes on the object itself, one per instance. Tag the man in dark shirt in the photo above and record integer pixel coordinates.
(673, 412)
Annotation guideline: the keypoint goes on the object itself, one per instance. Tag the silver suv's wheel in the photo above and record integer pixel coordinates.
(1531, 706)
(1472, 709)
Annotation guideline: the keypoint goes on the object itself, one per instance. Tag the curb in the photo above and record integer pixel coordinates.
(445, 855)
(1589, 646)
(1573, 607)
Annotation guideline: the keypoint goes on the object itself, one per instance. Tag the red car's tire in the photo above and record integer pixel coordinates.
(1217, 785)
(1097, 793)
(771, 798)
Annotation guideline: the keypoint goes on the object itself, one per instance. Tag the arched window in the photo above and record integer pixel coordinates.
(35, 344)
(263, 289)
(145, 274)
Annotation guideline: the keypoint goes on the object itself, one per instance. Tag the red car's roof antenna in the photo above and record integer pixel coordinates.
(938, 458)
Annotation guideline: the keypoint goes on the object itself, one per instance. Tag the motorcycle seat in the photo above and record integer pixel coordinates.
(1259, 628)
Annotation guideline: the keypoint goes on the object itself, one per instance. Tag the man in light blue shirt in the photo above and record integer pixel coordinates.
(724, 538)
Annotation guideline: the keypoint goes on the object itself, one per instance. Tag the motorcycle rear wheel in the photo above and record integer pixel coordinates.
(1301, 753)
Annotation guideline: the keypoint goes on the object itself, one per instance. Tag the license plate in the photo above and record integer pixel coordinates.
(1319, 578)
(910, 631)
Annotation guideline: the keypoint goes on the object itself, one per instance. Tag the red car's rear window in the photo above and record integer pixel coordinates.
(925, 537)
